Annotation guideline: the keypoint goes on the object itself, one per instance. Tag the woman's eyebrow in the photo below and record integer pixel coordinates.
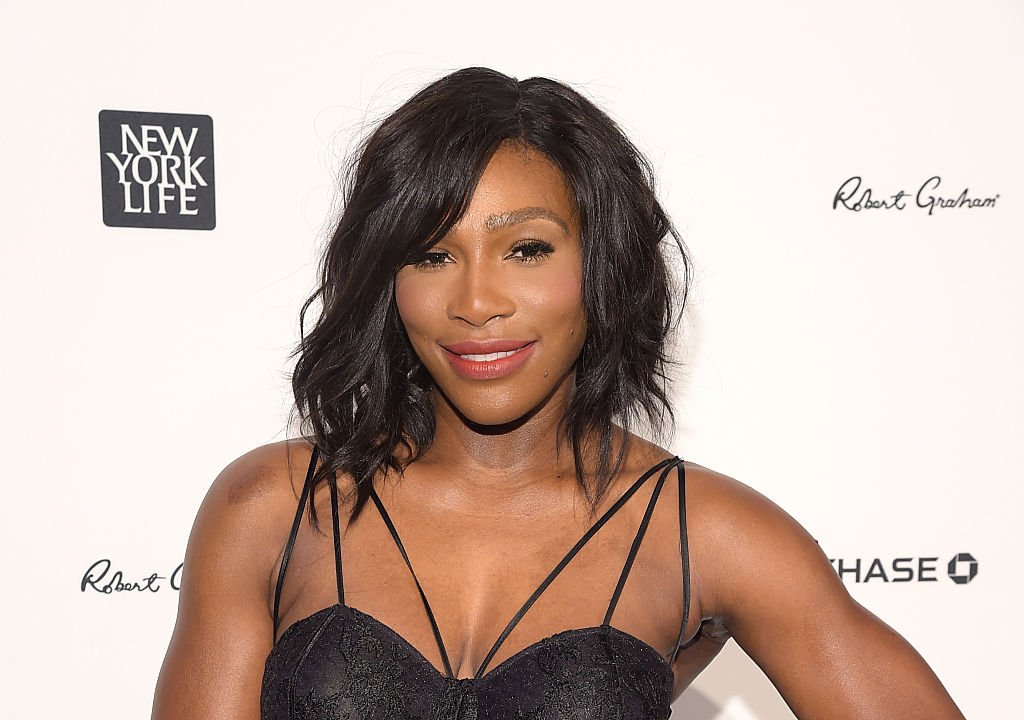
(514, 217)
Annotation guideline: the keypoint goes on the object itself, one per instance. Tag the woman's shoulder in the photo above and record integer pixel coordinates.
(734, 532)
(265, 474)
(740, 537)
(263, 480)
(250, 505)
(732, 512)
(720, 501)
(713, 490)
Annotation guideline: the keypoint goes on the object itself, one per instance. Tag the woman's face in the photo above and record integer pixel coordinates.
(495, 309)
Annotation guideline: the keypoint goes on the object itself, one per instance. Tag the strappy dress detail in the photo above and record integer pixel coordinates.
(320, 665)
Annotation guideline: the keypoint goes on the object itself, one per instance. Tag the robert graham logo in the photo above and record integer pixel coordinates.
(101, 577)
(157, 170)
(961, 569)
(928, 197)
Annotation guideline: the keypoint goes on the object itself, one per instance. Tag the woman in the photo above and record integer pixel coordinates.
(469, 528)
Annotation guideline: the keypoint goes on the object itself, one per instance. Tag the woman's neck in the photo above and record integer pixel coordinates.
(530, 447)
(492, 463)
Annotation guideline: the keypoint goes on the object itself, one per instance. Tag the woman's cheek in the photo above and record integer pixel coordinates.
(417, 310)
(417, 307)
(556, 295)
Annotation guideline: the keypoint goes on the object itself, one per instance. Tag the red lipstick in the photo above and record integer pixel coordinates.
(487, 359)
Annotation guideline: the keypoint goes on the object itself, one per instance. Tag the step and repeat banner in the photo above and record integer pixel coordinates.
(847, 179)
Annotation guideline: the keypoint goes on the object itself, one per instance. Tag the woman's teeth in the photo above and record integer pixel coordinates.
(489, 356)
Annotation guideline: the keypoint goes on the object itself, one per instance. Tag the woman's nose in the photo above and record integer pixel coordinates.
(479, 294)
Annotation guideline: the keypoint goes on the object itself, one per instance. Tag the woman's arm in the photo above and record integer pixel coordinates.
(778, 595)
(214, 664)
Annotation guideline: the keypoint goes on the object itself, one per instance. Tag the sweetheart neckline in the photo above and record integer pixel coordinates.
(332, 610)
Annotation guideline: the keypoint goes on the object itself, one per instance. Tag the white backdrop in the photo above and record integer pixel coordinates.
(859, 368)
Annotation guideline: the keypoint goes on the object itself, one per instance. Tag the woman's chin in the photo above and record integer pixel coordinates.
(497, 410)
(495, 420)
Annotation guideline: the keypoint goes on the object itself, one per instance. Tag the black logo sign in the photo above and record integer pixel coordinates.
(100, 579)
(157, 170)
(928, 197)
(962, 568)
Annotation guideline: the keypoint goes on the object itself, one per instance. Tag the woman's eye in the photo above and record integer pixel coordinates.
(531, 251)
(432, 258)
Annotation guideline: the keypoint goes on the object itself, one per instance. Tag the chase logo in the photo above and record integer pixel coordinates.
(962, 568)
(157, 170)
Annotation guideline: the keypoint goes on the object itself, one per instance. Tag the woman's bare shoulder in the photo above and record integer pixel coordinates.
(729, 510)
(716, 500)
(741, 536)
(265, 475)
(250, 505)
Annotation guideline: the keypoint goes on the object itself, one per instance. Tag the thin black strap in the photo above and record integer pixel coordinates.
(426, 605)
(291, 537)
(684, 554)
(338, 576)
(635, 547)
(565, 561)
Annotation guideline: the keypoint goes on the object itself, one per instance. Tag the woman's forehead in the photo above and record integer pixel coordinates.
(519, 185)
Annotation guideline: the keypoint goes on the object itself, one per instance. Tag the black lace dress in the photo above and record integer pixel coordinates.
(342, 664)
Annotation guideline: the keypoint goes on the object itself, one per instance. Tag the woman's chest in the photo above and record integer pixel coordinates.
(342, 663)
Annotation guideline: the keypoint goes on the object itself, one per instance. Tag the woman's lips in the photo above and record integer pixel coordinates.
(487, 360)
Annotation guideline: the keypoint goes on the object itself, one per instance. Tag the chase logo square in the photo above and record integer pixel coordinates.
(157, 170)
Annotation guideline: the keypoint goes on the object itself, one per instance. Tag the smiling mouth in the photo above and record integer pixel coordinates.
(492, 365)
(486, 357)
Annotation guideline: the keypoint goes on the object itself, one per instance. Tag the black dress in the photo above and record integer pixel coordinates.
(343, 664)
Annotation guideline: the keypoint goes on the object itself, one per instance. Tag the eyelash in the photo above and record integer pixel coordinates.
(538, 248)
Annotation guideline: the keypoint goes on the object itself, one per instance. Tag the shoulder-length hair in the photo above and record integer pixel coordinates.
(360, 389)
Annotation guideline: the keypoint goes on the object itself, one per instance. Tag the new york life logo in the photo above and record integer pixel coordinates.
(157, 170)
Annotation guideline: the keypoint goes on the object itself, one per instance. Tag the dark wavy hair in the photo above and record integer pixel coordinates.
(361, 391)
